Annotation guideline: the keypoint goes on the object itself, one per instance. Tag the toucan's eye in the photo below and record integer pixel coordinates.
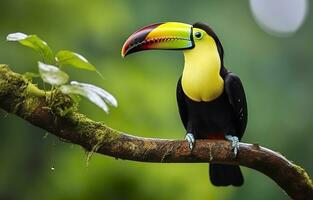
(198, 35)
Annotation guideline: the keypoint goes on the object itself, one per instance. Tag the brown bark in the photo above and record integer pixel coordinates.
(59, 116)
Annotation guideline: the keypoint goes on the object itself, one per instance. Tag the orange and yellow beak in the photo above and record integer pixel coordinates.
(169, 35)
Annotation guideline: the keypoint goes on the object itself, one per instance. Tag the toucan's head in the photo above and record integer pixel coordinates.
(172, 36)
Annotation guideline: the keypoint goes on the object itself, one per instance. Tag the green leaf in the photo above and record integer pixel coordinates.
(52, 74)
(95, 94)
(93, 97)
(34, 42)
(106, 96)
(16, 36)
(70, 58)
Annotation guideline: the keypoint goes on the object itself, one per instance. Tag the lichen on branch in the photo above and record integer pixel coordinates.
(59, 116)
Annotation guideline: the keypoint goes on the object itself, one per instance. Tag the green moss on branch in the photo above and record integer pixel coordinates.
(59, 116)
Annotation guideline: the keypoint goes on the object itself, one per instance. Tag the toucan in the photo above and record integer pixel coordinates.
(211, 99)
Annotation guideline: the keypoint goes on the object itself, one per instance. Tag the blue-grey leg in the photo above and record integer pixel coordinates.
(234, 143)
(190, 139)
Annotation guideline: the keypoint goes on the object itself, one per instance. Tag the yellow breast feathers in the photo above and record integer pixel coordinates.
(201, 80)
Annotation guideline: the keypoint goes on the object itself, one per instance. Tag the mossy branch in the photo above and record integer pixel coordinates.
(59, 116)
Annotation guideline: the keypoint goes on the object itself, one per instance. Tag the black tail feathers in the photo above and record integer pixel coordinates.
(224, 175)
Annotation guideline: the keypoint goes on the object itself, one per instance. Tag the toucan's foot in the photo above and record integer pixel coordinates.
(190, 139)
(234, 143)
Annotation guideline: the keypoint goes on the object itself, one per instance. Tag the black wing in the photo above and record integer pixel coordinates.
(237, 98)
(180, 96)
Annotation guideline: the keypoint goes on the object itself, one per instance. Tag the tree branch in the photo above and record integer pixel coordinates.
(59, 116)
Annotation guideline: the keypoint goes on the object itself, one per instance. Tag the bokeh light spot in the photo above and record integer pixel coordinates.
(279, 17)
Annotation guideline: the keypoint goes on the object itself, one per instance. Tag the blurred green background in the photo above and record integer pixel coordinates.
(276, 73)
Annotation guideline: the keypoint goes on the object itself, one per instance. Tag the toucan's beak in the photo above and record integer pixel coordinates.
(169, 35)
